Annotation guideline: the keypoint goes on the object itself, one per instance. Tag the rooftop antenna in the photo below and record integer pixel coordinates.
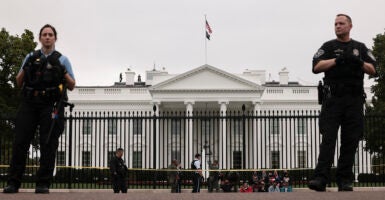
(154, 67)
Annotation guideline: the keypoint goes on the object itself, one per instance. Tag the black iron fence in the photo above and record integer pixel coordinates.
(244, 143)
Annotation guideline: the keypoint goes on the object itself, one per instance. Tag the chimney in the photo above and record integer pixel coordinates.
(130, 75)
(257, 76)
(284, 77)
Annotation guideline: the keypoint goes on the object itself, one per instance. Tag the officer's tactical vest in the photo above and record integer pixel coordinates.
(44, 74)
(193, 164)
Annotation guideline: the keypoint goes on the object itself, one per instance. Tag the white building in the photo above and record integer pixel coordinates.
(205, 88)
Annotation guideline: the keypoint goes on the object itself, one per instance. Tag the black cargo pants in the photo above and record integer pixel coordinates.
(346, 112)
(35, 112)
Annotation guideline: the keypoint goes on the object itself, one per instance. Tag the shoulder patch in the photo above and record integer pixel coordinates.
(370, 54)
(319, 53)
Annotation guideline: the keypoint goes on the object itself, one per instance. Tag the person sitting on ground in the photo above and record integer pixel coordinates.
(262, 186)
(286, 183)
(254, 181)
(274, 186)
(246, 188)
(226, 186)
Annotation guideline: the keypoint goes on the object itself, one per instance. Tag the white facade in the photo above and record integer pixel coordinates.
(203, 88)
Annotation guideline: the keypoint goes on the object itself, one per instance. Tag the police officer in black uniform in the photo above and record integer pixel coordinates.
(44, 76)
(118, 172)
(344, 62)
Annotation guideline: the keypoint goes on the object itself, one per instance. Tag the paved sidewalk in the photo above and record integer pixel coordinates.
(160, 194)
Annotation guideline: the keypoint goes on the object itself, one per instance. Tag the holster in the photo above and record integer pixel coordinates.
(330, 89)
(320, 93)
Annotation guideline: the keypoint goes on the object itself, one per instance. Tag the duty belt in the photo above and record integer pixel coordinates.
(341, 89)
(46, 92)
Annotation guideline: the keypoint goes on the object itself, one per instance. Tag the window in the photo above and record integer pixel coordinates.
(302, 160)
(237, 130)
(86, 158)
(175, 127)
(238, 127)
(137, 159)
(137, 126)
(110, 155)
(87, 127)
(112, 126)
(237, 159)
(302, 126)
(61, 158)
(206, 126)
(274, 157)
(274, 126)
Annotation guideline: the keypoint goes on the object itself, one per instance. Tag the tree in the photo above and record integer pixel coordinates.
(13, 49)
(375, 117)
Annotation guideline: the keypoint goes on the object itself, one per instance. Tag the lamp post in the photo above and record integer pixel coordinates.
(206, 146)
(207, 155)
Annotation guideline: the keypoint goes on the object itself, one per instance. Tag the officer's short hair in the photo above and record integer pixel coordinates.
(119, 149)
(197, 155)
(347, 16)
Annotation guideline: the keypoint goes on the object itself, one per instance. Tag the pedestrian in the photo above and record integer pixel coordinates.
(173, 174)
(197, 175)
(44, 76)
(119, 172)
(344, 62)
(213, 177)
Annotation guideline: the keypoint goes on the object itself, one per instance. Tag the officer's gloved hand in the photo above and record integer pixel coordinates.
(355, 60)
(340, 60)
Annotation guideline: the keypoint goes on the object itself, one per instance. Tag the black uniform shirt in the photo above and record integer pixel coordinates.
(117, 166)
(347, 72)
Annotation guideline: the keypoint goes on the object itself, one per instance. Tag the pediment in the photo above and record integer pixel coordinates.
(207, 78)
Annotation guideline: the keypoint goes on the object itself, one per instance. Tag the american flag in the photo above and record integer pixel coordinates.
(208, 30)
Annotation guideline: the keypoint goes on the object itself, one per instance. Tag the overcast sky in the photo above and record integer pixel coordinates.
(103, 38)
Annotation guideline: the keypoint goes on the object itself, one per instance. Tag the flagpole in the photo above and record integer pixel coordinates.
(204, 37)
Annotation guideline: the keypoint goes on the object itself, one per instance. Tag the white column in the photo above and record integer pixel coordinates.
(223, 136)
(189, 154)
(151, 136)
(257, 141)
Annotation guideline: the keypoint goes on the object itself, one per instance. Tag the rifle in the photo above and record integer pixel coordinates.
(57, 107)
